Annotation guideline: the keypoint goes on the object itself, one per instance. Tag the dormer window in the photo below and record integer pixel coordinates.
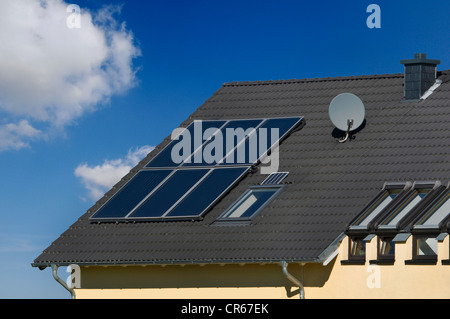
(425, 248)
(400, 210)
(386, 248)
(357, 250)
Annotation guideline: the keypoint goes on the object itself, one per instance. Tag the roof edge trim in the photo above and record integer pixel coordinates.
(330, 252)
(176, 262)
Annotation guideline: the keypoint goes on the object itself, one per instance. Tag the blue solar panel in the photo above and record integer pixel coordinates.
(195, 133)
(210, 190)
(284, 126)
(231, 135)
(270, 132)
(131, 194)
(168, 194)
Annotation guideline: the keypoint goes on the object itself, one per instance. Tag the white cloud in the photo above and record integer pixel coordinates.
(50, 74)
(13, 136)
(100, 178)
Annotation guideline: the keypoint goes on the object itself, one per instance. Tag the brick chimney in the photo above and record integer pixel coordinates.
(420, 75)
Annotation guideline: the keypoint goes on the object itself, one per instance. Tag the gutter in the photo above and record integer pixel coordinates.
(43, 265)
(61, 282)
(294, 280)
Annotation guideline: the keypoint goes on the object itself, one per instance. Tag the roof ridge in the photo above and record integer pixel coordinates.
(326, 79)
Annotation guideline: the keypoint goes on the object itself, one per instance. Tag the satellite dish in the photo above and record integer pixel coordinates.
(347, 113)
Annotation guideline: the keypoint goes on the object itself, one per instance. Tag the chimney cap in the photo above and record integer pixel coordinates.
(420, 58)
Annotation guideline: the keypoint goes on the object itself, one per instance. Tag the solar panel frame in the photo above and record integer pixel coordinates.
(298, 121)
(236, 147)
(225, 123)
(225, 154)
(164, 189)
(201, 147)
(243, 171)
(174, 141)
(95, 215)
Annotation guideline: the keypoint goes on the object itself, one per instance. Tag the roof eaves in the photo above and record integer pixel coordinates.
(323, 257)
(43, 265)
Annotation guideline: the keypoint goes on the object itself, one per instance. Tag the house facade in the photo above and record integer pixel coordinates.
(318, 212)
(333, 280)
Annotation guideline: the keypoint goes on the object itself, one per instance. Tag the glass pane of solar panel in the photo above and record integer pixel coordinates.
(242, 143)
(194, 134)
(284, 126)
(269, 133)
(168, 194)
(232, 134)
(208, 192)
(131, 194)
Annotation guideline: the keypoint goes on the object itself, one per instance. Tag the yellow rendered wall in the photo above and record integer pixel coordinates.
(228, 281)
(382, 281)
(231, 281)
(184, 293)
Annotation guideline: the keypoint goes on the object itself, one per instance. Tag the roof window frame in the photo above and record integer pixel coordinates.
(401, 202)
(389, 187)
(356, 244)
(225, 219)
(383, 258)
(422, 259)
(429, 211)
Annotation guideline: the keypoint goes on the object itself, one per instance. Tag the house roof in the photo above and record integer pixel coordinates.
(329, 183)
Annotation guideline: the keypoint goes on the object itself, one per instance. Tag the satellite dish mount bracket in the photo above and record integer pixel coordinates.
(347, 134)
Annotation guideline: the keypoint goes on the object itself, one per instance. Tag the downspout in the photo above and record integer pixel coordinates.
(61, 282)
(294, 280)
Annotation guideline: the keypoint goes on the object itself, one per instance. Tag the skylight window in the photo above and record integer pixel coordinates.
(402, 210)
(375, 208)
(436, 214)
(251, 202)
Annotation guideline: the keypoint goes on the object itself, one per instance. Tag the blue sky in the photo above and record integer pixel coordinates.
(79, 107)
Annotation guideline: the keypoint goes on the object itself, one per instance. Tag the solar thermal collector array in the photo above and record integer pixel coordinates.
(169, 190)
